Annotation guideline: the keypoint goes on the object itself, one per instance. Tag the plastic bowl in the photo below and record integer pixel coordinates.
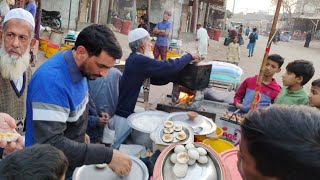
(200, 138)
(218, 145)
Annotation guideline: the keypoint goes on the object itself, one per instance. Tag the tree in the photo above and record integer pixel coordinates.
(287, 6)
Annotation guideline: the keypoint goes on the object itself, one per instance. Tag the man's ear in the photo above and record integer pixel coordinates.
(142, 47)
(299, 79)
(279, 70)
(33, 42)
(81, 53)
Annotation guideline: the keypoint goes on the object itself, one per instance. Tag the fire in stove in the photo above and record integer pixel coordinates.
(186, 98)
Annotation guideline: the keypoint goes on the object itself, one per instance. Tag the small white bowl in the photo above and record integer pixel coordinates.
(168, 124)
(167, 138)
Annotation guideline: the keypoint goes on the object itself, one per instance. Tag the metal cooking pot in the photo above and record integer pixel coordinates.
(142, 126)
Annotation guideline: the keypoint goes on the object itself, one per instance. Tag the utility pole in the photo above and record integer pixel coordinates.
(234, 3)
(193, 17)
(206, 14)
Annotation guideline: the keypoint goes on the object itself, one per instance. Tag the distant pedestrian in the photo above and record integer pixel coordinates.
(142, 23)
(162, 30)
(203, 41)
(31, 7)
(252, 41)
(308, 39)
(233, 54)
(247, 31)
(240, 32)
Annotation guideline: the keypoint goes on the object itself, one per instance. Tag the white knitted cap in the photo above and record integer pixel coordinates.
(19, 13)
(137, 34)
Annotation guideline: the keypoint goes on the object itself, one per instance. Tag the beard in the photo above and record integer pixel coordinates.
(11, 67)
(148, 52)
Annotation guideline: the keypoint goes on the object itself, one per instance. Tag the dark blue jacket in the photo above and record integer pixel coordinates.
(138, 68)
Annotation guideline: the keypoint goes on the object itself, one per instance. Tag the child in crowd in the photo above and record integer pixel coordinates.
(269, 90)
(36, 162)
(299, 72)
(314, 97)
(233, 54)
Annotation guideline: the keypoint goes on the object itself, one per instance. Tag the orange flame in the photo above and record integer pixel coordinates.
(186, 98)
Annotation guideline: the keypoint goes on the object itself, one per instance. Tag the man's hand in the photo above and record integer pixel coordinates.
(120, 163)
(239, 106)
(195, 58)
(87, 139)
(7, 124)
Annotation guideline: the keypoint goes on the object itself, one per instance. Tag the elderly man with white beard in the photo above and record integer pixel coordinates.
(139, 66)
(15, 73)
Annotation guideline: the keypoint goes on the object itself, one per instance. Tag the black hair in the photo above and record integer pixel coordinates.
(43, 162)
(276, 58)
(316, 83)
(233, 37)
(284, 141)
(301, 68)
(254, 29)
(144, 18)
(96, 38)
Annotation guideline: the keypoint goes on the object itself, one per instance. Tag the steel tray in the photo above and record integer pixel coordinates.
(207, 125)
(210, 171)
(138, 171)
(135, 116)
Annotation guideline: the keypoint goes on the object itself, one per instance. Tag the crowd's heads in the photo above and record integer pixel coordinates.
(301, 69)
(234, 39)
(314, 97)
(17, 38)
(97, 38)
(143, 19)
(96, 50)
(277, 58)
(280, 142)
(199, 25)
(35, 162)
(139, 41)
(166, 15)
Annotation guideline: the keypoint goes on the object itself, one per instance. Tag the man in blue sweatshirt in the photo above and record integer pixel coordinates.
(141, 65)
(58, 96)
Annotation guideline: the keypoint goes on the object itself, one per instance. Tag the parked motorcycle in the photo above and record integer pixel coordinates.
(51, 19)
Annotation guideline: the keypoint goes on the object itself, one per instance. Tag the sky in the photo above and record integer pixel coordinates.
(249, 5)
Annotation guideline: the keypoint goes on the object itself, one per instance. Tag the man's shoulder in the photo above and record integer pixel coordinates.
(50, 70)
(251, 79)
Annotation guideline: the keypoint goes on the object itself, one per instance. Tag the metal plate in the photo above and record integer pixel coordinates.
(209, 171)
(133, 118)
(201, 121)
(156, 136)
(138, 171)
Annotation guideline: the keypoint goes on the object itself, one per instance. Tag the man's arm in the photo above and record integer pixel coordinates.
(240, 93)
(49, 121)
(155, 68)
(155, 30)
(165, 32)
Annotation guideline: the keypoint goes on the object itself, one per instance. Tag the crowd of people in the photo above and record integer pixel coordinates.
(78, 92)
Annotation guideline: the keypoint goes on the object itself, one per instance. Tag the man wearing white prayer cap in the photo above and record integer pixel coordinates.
(15, 73)
(139, 66)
